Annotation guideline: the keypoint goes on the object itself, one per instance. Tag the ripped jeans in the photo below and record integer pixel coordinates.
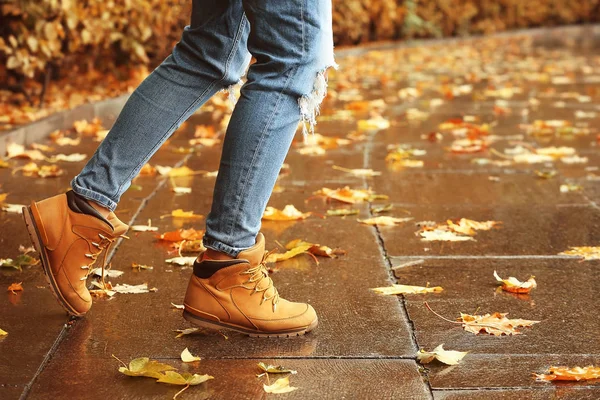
(292, 43)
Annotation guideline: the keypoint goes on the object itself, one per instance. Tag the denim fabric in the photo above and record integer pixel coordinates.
(292, 42)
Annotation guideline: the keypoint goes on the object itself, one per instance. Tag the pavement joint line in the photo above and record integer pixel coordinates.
(65, 328)
(540, 388)
(143, 204)
(490, 257)
(62, 334)
(381, 244)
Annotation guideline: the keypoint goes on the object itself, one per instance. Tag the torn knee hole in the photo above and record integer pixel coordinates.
(310, 103)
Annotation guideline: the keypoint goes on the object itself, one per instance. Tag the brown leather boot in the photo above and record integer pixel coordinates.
(70, 234)
(239, 295)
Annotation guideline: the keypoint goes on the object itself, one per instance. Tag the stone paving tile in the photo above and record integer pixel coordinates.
(568, 323)
(354, 322)
(558, 392)
(505, 371)
(547, 231)
(236, 379)
(33, 318)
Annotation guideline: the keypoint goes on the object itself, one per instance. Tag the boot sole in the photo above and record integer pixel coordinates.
(34, 235)
(203, 323)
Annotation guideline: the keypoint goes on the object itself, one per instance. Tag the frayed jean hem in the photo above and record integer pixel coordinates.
(94, 196)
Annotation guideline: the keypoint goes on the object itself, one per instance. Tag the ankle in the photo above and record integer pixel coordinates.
(217, 255)
(100, 208)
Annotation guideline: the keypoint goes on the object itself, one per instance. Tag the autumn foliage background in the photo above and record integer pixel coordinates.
(45, 40)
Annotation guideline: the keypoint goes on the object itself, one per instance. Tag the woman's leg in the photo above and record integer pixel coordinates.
(210, 56)
(292, 42)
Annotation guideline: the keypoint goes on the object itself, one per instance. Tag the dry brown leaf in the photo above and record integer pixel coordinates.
(514, 285)
(495, 324)
(569, 374)
(407, 289)
(289, 213)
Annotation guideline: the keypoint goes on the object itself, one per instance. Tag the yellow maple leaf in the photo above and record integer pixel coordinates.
(289, 213)
(281, 385)
(569, 374)
(449, 357)
(514, 285)
(495, 324)
(407, 289)
(3, 332)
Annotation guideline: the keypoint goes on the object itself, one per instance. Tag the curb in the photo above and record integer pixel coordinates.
(109, 109)
(35, 131)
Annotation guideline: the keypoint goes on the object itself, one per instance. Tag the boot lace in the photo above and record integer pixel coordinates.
(104, 243)
(259, 275)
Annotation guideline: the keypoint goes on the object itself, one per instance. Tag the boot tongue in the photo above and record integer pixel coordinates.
(254, 254)
(119, 227)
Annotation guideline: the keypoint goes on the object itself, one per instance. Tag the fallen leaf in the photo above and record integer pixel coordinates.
(186, 379)
(383, 220)
(144, 228)
(342, 212)
(15, 150)
(3, 332)
(569, 374)
(382, 209)
(347, 195)
(74, 157)
(298, 246)
(570, 187)
(176, 172)
(181, 190)
(449, 357)
(443, 235)
(406, 289)
(273, 369)
(186, 331)
(375, 123)
(143, 366)
(182, 234)
(289, 213)
(178, 306)
(514, 285)
(179, 213)
(281, 385)
(358, 171)
(495, 324)
(111, 273)
(181, 260)
(187, 357)
(15, 287)
(140, 266)
(586, 252)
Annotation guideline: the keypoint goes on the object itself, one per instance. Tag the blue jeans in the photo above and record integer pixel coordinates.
(292, 43)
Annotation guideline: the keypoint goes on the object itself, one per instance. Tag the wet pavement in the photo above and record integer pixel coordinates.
(366, 344)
